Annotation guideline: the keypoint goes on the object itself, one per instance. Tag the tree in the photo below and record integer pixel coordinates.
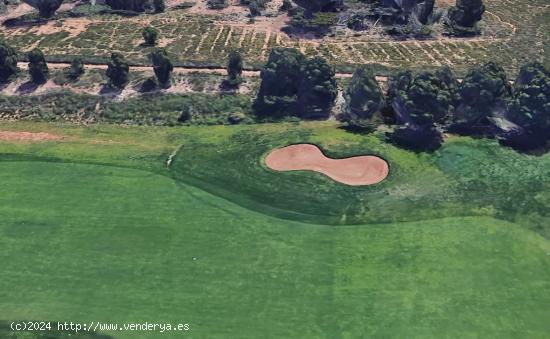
(38, 68)
(234, 69)
(426, 98)
(296, 86)
(401, 11)
(150, 35)
(46, 8)
(162, 66)
(129, 5)
(117, 71)
(8, 61)
(363, 97)
(76, 69)
(483, 92)
(216, 4)
(278, 93)
(286, 6)
(317, 90)
(529, 108)
(463, 18)
(159, 6)
(254, 9)
(422, 104)
(321, 5)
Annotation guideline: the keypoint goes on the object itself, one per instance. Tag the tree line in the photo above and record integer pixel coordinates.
(47, 8)
(421, 105)
(118, 69)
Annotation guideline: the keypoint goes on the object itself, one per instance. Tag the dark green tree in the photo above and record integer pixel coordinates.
(159, 6)
(234, 69)
(117, 71)
(76, 69)
(422, 104)
(162, 66)
(278, 93)
(8, 61)
(401, 11)
(38, 68)
(363, 97)
(129, 5)
(254, 9)
(317, 90)
(286, 6)
(463, 17)
(483, 92)
(46, 8)
(426, 98)
(216, 4)
(150, 35)
(529, 108)
(295, 86)
(321, 5)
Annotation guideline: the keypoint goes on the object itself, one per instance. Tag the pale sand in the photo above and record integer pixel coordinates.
(355, 171)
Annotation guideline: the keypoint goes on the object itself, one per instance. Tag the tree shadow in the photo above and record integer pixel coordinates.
(27, 88)
(111, 91)
(26, 20)
(4, 85)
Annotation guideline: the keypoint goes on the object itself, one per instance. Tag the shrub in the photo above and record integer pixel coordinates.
(150, 35)
(76, 69)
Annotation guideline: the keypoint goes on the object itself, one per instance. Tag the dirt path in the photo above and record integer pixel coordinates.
(177, 69)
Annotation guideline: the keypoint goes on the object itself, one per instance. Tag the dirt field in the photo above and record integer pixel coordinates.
(355, 171)
(512, 33)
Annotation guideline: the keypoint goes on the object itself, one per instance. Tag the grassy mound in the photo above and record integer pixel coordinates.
(466, 177)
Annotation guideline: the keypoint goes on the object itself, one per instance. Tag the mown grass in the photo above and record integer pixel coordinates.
(83, 242)
(96, 228)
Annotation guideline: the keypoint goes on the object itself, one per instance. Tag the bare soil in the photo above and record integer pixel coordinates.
(355, 171)
(28, 136)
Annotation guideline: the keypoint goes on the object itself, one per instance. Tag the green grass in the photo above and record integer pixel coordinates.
(147, 109)
(466, 177)
(96, 228)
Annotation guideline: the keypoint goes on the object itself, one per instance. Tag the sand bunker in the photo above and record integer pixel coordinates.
(28, 136)
(356, 171)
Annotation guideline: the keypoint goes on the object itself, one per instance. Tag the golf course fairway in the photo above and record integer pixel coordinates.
(97, 228)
